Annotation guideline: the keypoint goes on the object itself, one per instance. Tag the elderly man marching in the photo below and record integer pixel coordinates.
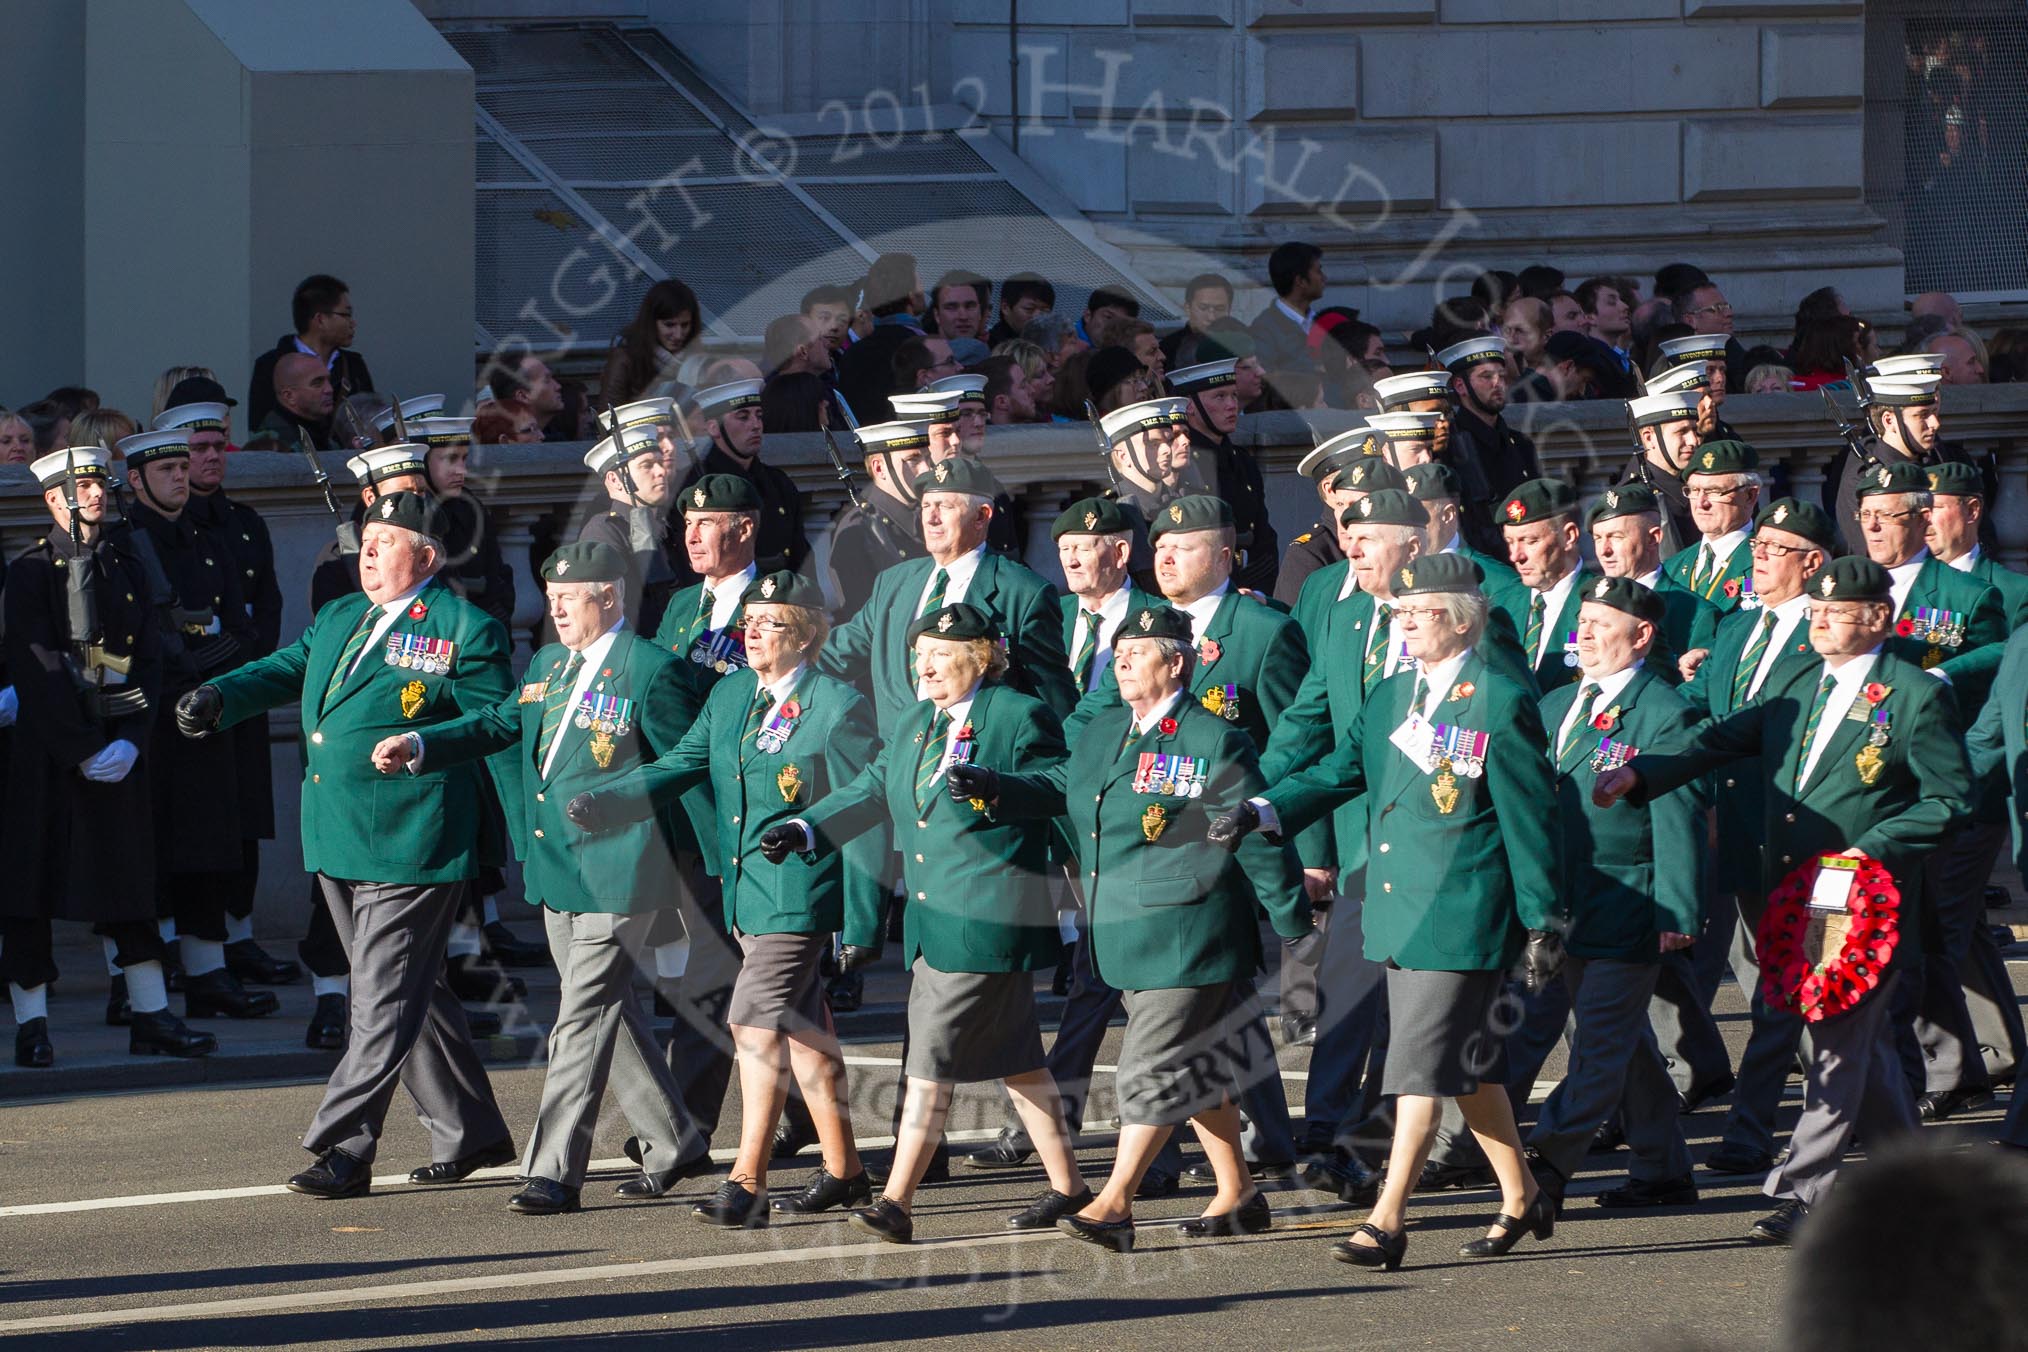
(597, 703)
(394, 857)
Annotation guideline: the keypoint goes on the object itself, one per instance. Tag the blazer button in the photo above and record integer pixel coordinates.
(735, 861)
(538, 833)
(1731, 783)
(540, 799)
(735, 821)
(1383, 847)
(1389, 808)
(1785, 859)
(317, 737)
(1789, 817)
(922, 896)
(316, 779)
(1387, 887)
(921, 825)
(918, 859)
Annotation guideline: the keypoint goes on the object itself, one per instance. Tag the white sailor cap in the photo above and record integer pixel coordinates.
(91, 463)
(382, 463)
(640, 413)
(1412, 387)
(734, 394)
(1680, 379)
(1334, 454)
(1691, 347)
(146, 447)
(1655, 409)
(1144, 416)
(1898, 392)
(971, 389)
(421, 406)
(1405, 426)
(1204, 375)
(926, 406)
(892, 436)
(440, 431)
(1472, 351)
(629, 443)
(192, 418)
(1909, 364)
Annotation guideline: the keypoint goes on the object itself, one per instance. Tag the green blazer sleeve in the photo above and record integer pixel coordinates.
(1271, 869)
(1986, 741)
(1731, 738)
(1315, 793)
(853, 808)
(849, 752)
(1525, 788)
(471, 736)
(1029, 795)
(276, 679)
(1677, 820)
(1037, 651)
(662, 781)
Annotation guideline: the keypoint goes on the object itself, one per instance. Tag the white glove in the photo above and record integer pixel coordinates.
(10, 706)
(111, 765)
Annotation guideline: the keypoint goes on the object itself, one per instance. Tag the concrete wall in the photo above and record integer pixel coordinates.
(42, 175)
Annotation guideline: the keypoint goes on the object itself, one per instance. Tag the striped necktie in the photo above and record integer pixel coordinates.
(756, 718)
(1087, 651)
(353, 647)
(1749, 661)
(1534, 635)
(1585, 700)
(1700, 577)
(702, 621)
(1817, 707)
(555, 704)
(929, 761)
(1376, 647)
(1420, 693)
(935, 600)
(1134, 734)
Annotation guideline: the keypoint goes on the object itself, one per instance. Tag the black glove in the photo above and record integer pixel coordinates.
(973, 781)
(780, 841)
(197, 713)
(1541, 959)
(852, 957)
(585, 812)
(1226, 830)
(1304, 951)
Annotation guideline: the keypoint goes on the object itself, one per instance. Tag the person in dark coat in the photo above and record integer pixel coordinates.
(732, 418)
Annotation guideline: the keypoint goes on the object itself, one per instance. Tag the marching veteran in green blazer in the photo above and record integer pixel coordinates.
(1462, 876)
(772, 739)
(1998, 746)
(1866, 759)
(980, 920)
(1173, 921)
(595, 704)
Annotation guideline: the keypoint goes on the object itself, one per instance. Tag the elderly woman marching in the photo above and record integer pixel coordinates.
(1461, 876)
(772, 739)
(980, 920)
(1173, 922)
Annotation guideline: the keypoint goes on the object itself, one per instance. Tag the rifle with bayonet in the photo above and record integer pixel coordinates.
(346, 528)
(1857, 440)
(91, 666)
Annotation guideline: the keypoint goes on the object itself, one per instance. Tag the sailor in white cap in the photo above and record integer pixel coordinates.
(731, 414)
(883, 527)
(1338, 467)
(1693, 352)
(947, 413)
(971, 392)
(1665, 425)
(1905, 423)
(1230, 471)
(938, 414)
(628, 466)
(1480, 435)
(1140, 456)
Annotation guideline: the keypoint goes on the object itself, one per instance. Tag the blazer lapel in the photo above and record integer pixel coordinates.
(1838, 747)
(535, 711)
(1444, 710)
(1207, 673)
(570, 735)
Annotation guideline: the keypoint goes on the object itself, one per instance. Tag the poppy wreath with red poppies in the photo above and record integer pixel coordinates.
(1789, 981)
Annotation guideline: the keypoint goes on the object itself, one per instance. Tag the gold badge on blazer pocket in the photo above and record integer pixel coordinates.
(1154, 821)
(789, 780)
(412, 696)
(602, 750)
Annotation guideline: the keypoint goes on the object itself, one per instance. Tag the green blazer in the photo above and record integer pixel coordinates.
(1998, 739)
(832, 740)
(1628, 877)
(2012, 586)
(1165, 908)
(1723, 591)
(872, 647)
(1921, 790)
(1136, 598)
(1552, 671)
(1500, 574)
(978, 881)
(1972, 660)
(358, 824)
(1314, 602)
(1446, 891)
(1740, 794)
(622, 872)
(1688, 621)
(698, 652)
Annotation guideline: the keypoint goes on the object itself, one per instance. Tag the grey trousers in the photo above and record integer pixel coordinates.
(1684, 1029)
(1771, 1045)
(600, 1037)
(407, 1029)
(1855, 1082)
(1996, 1010)
(1614, 1065)
(1955, 880)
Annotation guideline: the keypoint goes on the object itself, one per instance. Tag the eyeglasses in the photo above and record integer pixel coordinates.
(766, 626)
(1713, 494)
(1768, 549)
(1721, 307)
(1882, 518)
(1420, 614)
(338, 314)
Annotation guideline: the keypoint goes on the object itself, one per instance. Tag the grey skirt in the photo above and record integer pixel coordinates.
(964, 1027)
(778, 986)
(1441, 1035)
(1175, 1061)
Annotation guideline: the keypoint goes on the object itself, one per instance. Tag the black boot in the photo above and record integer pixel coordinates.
(248, 961)
(219, 994)
(118, 1012)
(327, 1025)
(163, 1034)
(32, 1049)
(477, 980)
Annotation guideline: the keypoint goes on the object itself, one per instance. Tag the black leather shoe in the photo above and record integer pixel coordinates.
(163, 1034)
(939, 1170)
(733, 1208)
(1386, 1250)
(458, 1170)
(118, 1012)
(543, 1197)
(1336, 1171)
(1647, 1192)
(1779, 1226)
(793, 1134)
(1202, 1172)
(219, 995)
(1115, 1235)
(1009, 1150)
(1608, 1138)
(1538, 1219)
(1251, 1217)
(32, 1047)
(1066, 974)
(1738, 1159)
(327, 1026)
(1701, 1094)
(1940, 1107)
(645, 1186)
(509, 950)
(1046, 1210)
(1437, 1177)
(1157, 1184)
(482, 1023)
(335, 1174)
(825, 1192)
(846, 992)
(477, 980)
(1299, 1030)
(886, 1219)
(172, 969)
(248, 961)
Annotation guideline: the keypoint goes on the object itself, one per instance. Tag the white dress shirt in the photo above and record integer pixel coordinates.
(1552, 607)
(389, 613)
(1789, 614)
(593, 657)
(959, 712)
(1903, 576)
(958, 578)
(725, 595)
(1146, 724)
(1609, 688)
(1966, 561)
(1111, 612)
(1203, 608)
(1441, 678)
(1851, 680)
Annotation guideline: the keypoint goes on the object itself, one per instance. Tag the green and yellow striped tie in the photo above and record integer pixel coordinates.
(1419, 694)
(1700, 576)
(1749, 661)
(1376, 647)
(353, 647)
(1087, 651)
(555, 704)
(1133, 735)
(1533, 639)
(934, 602)
(930, 760)
(702, 620)
(757, 716)
(1586, 698)
(1817, 707)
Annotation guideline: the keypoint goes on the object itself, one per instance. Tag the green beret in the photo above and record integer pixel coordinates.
(585, 561)
(1954, 479)
(410, 511)
(1439, 573)
(1852, 578)
(958, 622)
(1537, 500)
(1200, 511)
(1433, 481)
(1388, 507)
(783, 588)
(959, 474)
(1722, 457)
(1797, 517)
(1156, 621)
(1371, 475)
(1903, 476)
(721, 493)
(1091, 516)
(1629, 499)
(1626, 595)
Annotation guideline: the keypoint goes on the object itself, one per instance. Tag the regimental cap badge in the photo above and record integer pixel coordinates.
(1612, 498)
(944, 624)
(1358, 475)
(1830, 585)
(1406, 576)
(562, 567)
(698, 497)
(1604, 584)
(1710, 459)
(387, 508)
(1176, 512)
(1515, 510)
(1147, 620)
(943, 471)
(1781, 514)
(1882, 476)
(1090, 520)
(1366, 506)
(1934, 480)
(767, 586)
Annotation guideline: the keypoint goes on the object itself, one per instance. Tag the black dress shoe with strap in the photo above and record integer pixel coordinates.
(1386, 1250)
(218, 994)
(1251, 1217)
(336, 1174)
(458, 1170)
(732, 1207)
(1651, 1192)
(326, 1032)
(1046, 1210)
(32, 1048)
(825, 1192)
(543, 1197)
(510, 949)
(1943, 1105)
(1537, 1218)
(1115, 1235)
(248, 961)
(886, 1219)
(163, 1034)
(1008, 1150)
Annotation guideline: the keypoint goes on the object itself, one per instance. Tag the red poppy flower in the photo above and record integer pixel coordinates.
(1732, 587)
(1904, 627)
(965, 733)
(1604, 722)
(1209, 651)
(793, 709)
(1875, 691)
(418, 610)
(1168, 726)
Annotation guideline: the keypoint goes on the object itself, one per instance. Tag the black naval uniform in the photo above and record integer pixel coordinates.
(474, 568)
(640, 534)
(1841, 487)
(1679, 528)
(1237, 479)
(1506, 457)
(867, 542)
(1315, 548)
(779, 541)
